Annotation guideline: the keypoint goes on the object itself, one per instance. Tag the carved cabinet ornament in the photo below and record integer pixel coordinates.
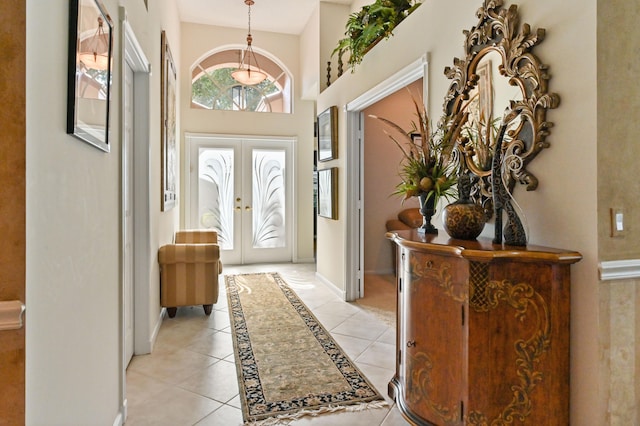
(501, 82)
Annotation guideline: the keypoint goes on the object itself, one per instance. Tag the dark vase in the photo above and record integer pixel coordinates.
(428, 209)
(463, 219)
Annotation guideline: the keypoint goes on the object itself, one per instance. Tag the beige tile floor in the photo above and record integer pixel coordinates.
(190, 378)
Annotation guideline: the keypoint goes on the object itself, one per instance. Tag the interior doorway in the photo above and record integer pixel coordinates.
(355, 166)
(242, 187)
(135, 209)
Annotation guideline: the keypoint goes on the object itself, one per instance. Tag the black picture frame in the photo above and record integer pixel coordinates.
(328, 193)
(328, 134)
(89, 72)
(169, 154)
(416, 139)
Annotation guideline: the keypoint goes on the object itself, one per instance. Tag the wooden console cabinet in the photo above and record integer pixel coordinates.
(482, 332)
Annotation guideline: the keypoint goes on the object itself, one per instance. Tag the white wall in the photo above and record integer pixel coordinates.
(73, 355)
(200, 39)
(560, 213)
(309, 57)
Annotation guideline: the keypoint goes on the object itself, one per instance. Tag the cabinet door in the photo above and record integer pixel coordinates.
(432, 338)
(518, 341)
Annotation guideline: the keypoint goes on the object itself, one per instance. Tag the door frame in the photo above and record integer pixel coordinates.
(189, 139)
(354, 274)
(133, 54)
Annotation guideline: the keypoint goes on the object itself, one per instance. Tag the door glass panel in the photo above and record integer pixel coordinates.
(215, 193)
(268, 218)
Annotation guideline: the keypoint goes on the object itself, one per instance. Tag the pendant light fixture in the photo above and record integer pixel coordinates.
(94, 54)
(245, 74)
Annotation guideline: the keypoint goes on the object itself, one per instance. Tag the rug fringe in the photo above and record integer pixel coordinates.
(286, 419)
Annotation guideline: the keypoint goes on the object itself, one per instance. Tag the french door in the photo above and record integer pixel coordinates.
(242, 188)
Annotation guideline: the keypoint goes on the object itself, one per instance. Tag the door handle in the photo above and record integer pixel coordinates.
(11, 314)
(247, 208)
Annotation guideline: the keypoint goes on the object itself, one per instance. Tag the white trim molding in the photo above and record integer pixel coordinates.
(354, 241)
(619, 269)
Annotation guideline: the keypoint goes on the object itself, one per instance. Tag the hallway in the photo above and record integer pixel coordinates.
(190, 379)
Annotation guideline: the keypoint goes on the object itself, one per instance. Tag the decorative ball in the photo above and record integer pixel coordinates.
(463, 220)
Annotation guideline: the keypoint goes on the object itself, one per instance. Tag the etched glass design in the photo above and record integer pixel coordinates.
(268, 169)
(215, 197)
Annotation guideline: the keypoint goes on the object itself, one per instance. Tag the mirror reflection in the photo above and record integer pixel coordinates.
(488, 99)
(499, 77)
(90, 65)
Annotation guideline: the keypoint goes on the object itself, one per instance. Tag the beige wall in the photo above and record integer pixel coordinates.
(73, 357)
(381, 168)
(560, 213)
(618, 127)
(200, 39)
(332, 19)
(618, 187)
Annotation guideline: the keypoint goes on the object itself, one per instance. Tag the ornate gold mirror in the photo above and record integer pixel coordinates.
(499, 82)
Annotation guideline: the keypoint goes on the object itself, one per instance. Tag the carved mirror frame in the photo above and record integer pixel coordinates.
(498, 31)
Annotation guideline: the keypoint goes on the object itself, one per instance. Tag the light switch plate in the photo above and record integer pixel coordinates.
(618, 226)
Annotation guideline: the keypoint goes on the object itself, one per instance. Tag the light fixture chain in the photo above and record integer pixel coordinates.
(249, 3)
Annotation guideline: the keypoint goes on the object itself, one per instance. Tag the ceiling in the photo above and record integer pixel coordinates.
(281, 16)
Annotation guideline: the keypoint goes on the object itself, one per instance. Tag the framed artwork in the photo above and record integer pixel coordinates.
(328, 134)
(328, 193)
(89, 72)
(168, 150)
(416, 138)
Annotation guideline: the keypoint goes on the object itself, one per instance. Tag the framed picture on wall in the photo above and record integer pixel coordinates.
(328, 134)
(89, 72)
(168, 151)
(328, 193)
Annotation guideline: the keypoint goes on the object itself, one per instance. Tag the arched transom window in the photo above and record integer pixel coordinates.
(212, 86)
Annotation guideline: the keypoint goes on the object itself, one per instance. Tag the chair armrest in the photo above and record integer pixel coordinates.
(411, 217)
(396, 225)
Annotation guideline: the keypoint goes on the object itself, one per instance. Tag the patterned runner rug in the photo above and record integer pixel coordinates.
(288, 365)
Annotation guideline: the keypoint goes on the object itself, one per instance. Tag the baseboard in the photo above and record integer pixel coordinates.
(331, 286)
(304, 260)
(125, 410)
(156, 329)
(119, 420)
(149, 344)
(619, 270)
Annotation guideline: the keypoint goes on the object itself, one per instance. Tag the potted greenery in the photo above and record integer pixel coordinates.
(370, 25)
(428, 169)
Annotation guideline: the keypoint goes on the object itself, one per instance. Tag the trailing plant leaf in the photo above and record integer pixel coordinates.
(370, 24)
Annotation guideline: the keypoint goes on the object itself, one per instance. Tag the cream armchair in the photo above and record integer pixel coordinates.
(189, 270)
